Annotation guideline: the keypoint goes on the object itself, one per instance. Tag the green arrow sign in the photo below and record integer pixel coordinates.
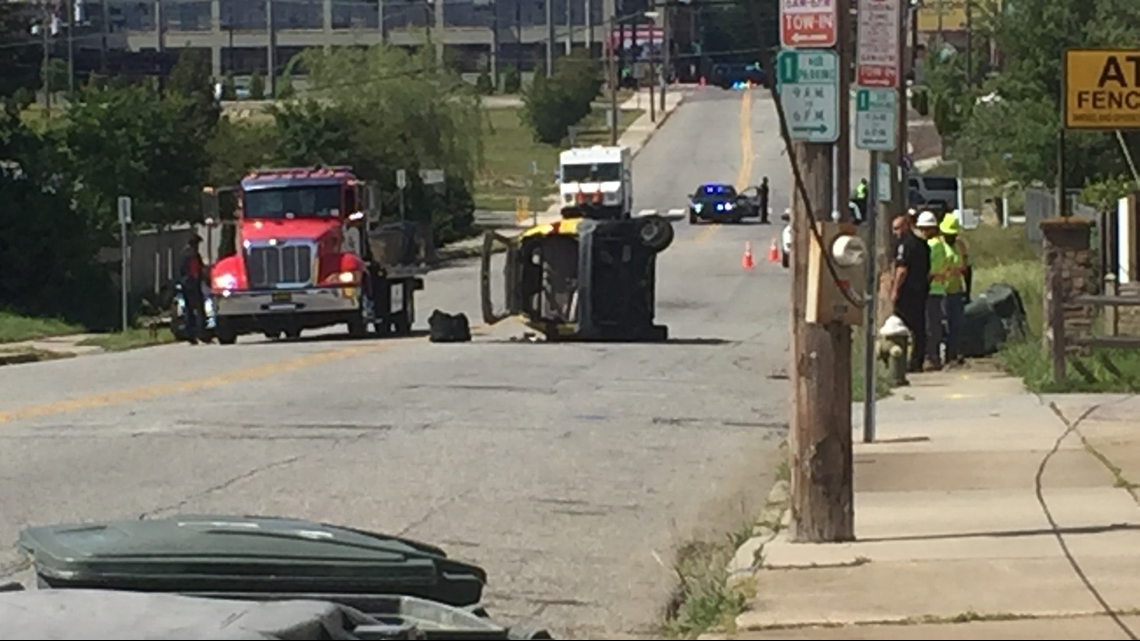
(808, 87)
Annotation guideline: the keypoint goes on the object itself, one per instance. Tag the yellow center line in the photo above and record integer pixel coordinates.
(222, 379)
(744, 176)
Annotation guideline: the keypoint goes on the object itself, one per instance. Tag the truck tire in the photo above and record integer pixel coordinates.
(226, 334)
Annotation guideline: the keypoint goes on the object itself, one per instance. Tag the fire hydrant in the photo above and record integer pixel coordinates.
(893, 344)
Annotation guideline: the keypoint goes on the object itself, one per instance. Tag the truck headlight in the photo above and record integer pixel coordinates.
(225, 281)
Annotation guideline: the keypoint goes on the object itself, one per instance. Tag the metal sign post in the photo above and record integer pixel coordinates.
(124, 263)
(401, 183)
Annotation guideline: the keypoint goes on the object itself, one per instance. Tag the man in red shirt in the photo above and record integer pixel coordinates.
(191, 273)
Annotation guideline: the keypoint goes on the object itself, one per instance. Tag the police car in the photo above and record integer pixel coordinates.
(718, 202)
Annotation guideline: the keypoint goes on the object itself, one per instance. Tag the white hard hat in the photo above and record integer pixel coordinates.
(927, 219)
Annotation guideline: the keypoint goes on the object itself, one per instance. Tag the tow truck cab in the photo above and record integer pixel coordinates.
(304, 260)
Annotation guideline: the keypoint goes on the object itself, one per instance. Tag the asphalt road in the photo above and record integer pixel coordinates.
(570, 472)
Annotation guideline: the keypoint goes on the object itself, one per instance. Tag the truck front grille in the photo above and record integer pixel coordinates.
(279, 265)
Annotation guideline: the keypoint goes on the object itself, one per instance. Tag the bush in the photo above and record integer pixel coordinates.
(512, 81)
(484, 85)
(229, 87)
(554, 104)
(256, 86)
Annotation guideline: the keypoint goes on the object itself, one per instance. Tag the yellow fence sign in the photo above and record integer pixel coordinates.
(1102, 89)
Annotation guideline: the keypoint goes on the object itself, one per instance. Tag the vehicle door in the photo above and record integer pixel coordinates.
(499, 278)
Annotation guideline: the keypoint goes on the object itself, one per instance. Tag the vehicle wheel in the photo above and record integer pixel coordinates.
(226, 335)
(293, 333)
(785, 260)
(272, 335)
(693, 220)
(656, 233)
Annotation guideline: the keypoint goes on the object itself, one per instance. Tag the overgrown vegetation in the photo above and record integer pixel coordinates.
(1013, 133)
(554, 104)
(1005, 256)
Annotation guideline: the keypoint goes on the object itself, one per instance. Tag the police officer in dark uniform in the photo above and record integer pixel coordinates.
(190, 275)
(911, 285)
(762, 192)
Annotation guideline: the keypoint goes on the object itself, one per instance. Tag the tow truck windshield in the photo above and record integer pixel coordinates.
(293, 202)
(591, 173)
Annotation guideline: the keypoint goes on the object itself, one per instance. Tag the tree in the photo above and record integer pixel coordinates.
(132, 140)
(1016, 134)
(547, 109)
(256, 86)
(384, 109)
(19, 57)
(190, 80)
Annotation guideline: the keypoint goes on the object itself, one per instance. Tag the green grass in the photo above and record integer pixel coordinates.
(1004, 256)
(858, 383)
(131, 339)
(15, 327)
(706, 599)
(509, 148)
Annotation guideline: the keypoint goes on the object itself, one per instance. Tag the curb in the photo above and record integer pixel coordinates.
(773, 519)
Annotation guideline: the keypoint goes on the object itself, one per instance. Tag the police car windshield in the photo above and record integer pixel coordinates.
(299, 202)
(591, 173)
(715, 193)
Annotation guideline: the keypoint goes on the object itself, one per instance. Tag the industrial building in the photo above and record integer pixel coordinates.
(246, 35)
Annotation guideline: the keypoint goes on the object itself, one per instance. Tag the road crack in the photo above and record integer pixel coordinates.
(220, 487)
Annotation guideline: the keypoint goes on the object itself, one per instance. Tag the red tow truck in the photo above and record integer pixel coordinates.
(306, 258)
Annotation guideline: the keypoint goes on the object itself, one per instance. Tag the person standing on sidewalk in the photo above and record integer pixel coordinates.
(948, 265)
(941, 268)
(910, 286)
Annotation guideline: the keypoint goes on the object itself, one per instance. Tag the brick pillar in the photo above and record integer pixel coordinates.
(1067, 241)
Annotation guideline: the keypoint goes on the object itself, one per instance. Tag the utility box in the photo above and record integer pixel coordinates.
(831, 299)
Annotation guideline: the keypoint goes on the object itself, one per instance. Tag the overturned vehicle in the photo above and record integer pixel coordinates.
(236, 577)
(579, 278)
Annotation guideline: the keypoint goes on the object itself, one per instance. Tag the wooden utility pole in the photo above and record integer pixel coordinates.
(822, 503)
(822, 496)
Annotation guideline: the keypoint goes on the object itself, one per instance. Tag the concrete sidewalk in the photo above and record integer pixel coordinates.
(980, 514)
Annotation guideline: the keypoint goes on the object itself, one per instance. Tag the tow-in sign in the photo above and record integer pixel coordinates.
(808, 23)
(1102, 89)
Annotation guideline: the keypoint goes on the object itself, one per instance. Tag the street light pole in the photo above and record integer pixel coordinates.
(611, 63)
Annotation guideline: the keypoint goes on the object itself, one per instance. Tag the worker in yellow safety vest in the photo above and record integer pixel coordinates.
(947, 301)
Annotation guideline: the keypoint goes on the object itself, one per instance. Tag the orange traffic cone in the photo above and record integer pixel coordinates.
(773, 252)
(746, 260)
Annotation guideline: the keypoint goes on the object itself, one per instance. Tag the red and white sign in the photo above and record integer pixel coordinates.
(877, 51)
(808, 23)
